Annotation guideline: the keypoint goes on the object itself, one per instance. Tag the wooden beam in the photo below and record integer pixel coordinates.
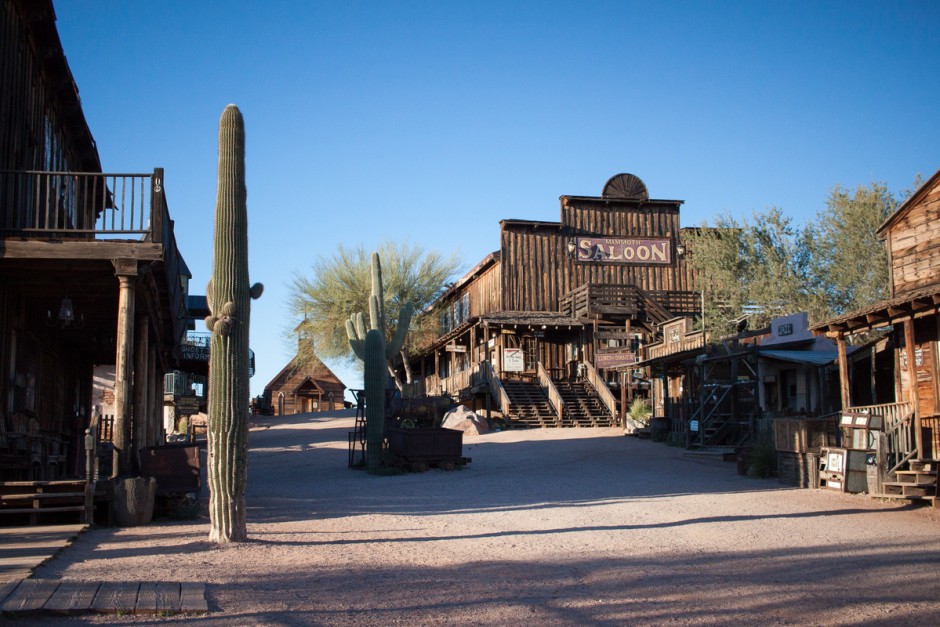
(843, 372)
(913, 396)
(91, 249)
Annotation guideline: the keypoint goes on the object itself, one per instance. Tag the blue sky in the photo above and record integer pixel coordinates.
(432, 121)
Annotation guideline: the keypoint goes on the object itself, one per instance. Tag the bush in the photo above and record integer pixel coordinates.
(640, 411)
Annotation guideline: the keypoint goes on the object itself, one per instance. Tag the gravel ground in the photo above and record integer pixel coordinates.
(544, 527)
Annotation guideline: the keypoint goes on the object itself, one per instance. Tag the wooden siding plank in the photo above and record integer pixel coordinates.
(168, 597)
(72, 597)
(30, 596)
(115, 596)
(193, 597)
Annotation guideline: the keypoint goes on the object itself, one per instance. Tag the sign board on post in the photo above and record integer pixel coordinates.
(513, 360)
(614, 360)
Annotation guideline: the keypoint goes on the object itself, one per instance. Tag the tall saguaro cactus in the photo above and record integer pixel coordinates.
(371, 347)
(228, 295)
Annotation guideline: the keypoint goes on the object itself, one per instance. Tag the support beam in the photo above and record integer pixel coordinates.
(912, 394)
(126, 272)
(843, 372)
(140, 427)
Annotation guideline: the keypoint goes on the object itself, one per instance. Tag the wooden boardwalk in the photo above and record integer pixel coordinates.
(22, 549)
(48, 596)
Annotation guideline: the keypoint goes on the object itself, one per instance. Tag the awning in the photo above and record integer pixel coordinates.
(815, 358)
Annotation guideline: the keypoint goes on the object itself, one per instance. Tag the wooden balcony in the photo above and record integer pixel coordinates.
(597, 300)
(60, 231)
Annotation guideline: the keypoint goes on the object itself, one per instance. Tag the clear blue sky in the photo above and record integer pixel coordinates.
(434, 120)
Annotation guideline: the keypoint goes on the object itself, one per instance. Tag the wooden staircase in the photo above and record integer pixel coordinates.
(530, 406)
(918, 483)
(583, 408)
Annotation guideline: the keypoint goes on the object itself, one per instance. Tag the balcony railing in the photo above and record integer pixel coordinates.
(627, 300)
(81, 204)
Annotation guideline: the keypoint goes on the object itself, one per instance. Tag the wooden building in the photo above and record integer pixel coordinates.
(89, 269)
(909, 319)
(560, 306)
(301, 389)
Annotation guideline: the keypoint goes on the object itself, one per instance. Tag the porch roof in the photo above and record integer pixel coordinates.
(913, 304)
(814, 358)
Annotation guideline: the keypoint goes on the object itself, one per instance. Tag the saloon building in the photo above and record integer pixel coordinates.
(539, 327)
(90, 274)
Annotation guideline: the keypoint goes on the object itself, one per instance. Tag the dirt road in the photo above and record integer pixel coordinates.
(544, 527)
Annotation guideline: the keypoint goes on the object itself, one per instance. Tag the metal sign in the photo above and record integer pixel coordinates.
(455, 348)
(513, 360)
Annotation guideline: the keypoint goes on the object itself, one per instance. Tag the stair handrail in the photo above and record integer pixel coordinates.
(606, 396)
(554, 397)
(497, 391)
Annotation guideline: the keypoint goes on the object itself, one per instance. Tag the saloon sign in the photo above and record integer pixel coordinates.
(647, 250)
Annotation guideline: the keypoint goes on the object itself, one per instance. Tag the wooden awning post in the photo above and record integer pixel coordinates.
(912, 395)
(126, 272)
(141, 430)
(843, 372)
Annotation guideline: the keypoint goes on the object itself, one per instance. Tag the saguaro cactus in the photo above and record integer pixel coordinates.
(371, 347)
(228, 295)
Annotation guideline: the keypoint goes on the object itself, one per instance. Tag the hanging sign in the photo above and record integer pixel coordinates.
(615, 360)
(455, 348)
(513, 360)
(646, 250)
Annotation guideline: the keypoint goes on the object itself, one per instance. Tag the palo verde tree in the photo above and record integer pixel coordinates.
(340, 286)
(229, 297)
(766, 267)
(848, 261)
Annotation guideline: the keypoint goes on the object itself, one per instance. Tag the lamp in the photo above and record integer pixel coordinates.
(571, 247)
(66, 317)
(680, 249)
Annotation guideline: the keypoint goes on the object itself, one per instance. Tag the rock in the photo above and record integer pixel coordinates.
(463, 419)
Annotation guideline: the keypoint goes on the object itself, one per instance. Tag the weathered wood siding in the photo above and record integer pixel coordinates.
(484, 292)
(537, 270)
(41, 123)
(914, 243)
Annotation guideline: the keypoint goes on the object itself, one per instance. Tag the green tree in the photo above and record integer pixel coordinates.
(339, 286)
(849, 264)
(752, 269)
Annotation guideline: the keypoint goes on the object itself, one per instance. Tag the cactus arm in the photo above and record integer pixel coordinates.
(354, 342)
(378, 292)
(404, 322)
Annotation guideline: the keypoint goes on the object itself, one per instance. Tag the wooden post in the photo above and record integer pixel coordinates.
(157, 203)
(126, 272)
(155, 402)
(140, 427)
(912, 394)
(843, 373)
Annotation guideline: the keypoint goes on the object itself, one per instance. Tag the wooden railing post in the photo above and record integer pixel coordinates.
(157, 205)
